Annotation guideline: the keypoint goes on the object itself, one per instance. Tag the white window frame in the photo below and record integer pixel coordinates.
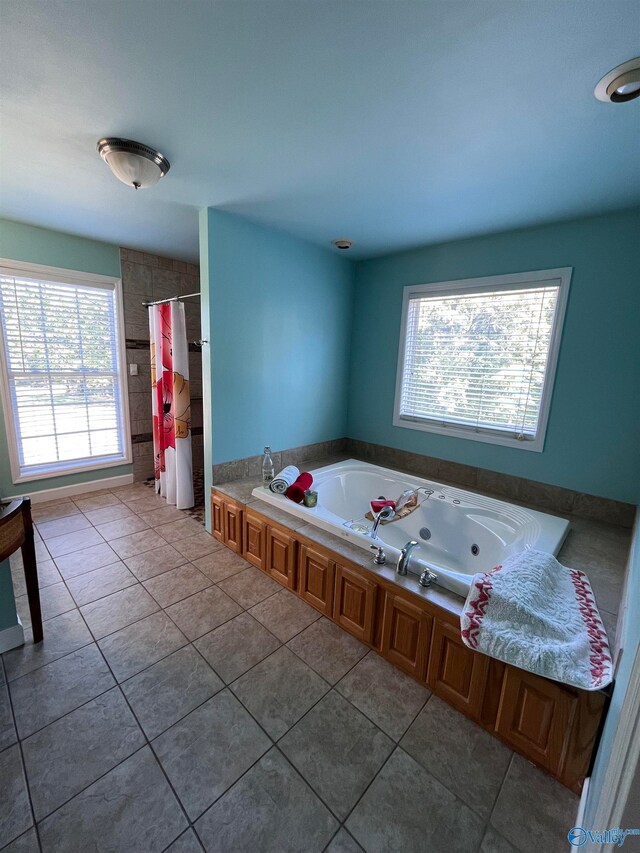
(514, 281)
(22, 268)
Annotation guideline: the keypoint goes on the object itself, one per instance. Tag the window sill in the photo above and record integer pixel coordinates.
(49, 473)
(536, 445)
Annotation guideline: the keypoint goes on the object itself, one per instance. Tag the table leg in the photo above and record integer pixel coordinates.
(31, 581)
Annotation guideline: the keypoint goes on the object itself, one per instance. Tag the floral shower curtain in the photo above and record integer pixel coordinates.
(171, 403)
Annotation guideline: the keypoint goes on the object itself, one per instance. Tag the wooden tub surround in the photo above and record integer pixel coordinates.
(418, 630)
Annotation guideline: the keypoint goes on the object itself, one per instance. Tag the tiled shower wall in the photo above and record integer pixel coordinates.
(146, 278)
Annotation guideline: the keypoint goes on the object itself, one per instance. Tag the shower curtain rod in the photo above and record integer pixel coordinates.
(172, 299)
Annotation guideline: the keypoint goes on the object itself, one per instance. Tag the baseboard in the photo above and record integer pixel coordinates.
(11, 638)
(77, 489)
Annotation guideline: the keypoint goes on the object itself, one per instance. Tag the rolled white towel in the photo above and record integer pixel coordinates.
(285, 478)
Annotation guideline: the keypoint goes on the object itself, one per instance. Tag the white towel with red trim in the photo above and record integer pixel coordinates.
(541, 616)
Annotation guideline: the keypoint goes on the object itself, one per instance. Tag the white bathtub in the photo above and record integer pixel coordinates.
(459, 533)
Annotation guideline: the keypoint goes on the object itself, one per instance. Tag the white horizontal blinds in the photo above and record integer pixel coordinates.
(477, 360)
(61, 352)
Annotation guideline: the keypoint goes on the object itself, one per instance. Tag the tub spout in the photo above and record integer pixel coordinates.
(385, 513)
(405, 555)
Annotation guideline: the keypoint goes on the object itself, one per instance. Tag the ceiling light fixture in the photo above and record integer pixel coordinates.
(341, 243)
(133, 163)
(621, 83)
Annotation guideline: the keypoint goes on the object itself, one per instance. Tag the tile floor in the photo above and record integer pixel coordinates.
(182, 700)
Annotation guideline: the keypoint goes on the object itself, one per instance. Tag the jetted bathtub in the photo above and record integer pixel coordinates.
(459, 533)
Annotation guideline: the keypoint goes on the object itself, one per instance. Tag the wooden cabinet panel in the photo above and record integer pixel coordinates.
(456, 673)
(354, 606)
(406, 635)
(584, 731)
(550, 724)
(232, 518)
(217, 517)
(280, 554)
(535, 717)
(316, 574)
(254, 539)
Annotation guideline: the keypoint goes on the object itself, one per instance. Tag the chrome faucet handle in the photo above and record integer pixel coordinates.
(427, 578)
(380, 558)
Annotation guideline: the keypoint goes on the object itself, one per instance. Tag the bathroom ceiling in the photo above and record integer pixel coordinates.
(391, 123)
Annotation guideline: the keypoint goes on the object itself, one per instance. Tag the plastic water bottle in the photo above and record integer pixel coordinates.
(268, 471)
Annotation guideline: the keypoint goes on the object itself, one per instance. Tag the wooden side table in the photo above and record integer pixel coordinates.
(16, 531)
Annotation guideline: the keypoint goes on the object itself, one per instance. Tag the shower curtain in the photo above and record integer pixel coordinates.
(171, 403)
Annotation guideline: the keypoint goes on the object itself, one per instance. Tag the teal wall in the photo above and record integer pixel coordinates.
(27, 243)
(279, 311)
(20, 242)
(8, 617)
(592, 436)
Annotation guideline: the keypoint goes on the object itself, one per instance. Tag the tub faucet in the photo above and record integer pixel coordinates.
(385, 512)
(405, 555)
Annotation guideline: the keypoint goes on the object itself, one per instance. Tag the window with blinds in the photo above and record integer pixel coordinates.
(477, 357)
(61, 360)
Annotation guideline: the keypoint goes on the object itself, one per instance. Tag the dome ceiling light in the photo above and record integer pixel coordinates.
(621, 83)
(133, 163)
(341, 243)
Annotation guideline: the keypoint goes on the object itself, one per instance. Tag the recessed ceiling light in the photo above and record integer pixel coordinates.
(621, 83)
(341, 243)
(133, 163)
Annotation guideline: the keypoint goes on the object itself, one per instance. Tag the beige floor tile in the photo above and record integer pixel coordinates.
(137, 646)
(387, 820)
(52, 510)
(284, 614)
(236, 646)
(101, 582)
(464, 757)
(121, 527)
(85, 560)
(95, 501)
(54, 600)
(203, 612)
(61, 526)
(387, 696)
(338, 751)
(108, 513)
(154, 562)
(250, 587)
(70, 542)
(136, 543)
(117, 610)
(327, 649)
(176, 584)
(279, 691)
(291, 815)
(220, 564)
(208, 750)
(185, 528)
(170, 689)
(197, 545)
(132, 808)
(145, 503)
(551, 819)
(163, 515)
